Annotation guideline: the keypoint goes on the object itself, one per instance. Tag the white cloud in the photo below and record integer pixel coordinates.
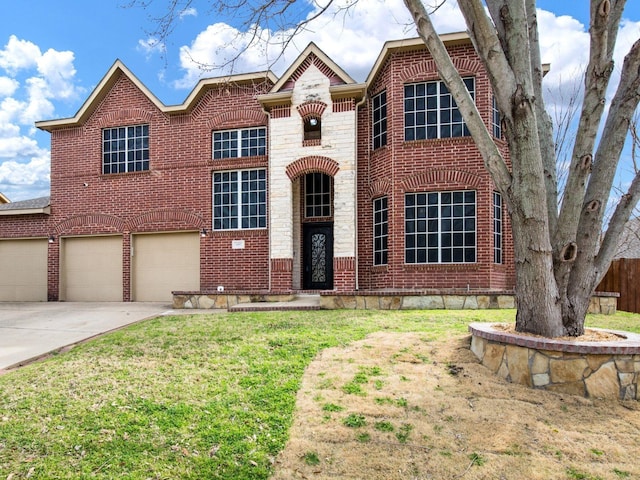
(19, 55)
(27, 179)
(8, 86)
(189, 12)
(58, 72)
(364, 28)
(30, 84)
(19, 146)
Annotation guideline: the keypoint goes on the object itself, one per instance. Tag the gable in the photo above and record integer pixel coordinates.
(312, 56)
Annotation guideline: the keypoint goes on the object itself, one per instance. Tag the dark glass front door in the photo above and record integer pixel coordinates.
(318, 256)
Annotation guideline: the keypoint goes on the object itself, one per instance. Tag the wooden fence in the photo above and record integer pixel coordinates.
(624, 277)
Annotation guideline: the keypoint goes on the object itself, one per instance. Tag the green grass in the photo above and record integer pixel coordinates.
(190, 397)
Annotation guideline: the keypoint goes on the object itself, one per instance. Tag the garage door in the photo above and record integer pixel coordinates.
(162, 263)
(23, 270)
(91, 269)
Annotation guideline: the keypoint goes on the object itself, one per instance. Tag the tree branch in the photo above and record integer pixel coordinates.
(492, 157)
(597, 78)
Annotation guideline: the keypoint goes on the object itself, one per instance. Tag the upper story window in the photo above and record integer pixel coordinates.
(125, 149)
(312, 128)
(240, 199)
(245, 142)
(496, 121)
(380, 231)
(379, 119)
(440, 227)
(431, 112)
(317, 195)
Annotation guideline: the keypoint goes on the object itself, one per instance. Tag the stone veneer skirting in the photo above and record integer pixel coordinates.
(602, 302)
(589, 369)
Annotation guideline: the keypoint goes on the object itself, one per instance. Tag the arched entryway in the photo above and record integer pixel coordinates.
(317, 231)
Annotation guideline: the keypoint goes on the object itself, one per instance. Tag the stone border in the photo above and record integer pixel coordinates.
(590, 369)
(601, 302)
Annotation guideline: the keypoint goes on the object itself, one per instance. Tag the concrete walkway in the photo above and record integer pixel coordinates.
(31, 330)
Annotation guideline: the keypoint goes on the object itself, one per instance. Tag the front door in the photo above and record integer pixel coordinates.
(318, 256)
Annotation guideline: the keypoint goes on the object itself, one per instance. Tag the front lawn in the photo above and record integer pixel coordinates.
(189, 397)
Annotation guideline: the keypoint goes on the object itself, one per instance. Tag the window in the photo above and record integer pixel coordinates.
(440, 227)
(496, 121)
(240, 199)
(380, 120)
(125, 149)
(317, 195)
(380, 231)
(497, 227)
(247, 142)
(431, 112)
(312, 128)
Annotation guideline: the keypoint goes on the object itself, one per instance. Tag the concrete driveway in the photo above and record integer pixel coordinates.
(31, 330)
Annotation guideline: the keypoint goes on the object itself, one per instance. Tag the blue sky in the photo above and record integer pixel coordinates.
(53, 53)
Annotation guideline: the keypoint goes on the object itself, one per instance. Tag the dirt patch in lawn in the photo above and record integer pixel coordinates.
(396, 406)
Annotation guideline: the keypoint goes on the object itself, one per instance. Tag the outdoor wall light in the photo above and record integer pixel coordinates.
(52, 239)
(203, 232)
(313, 122)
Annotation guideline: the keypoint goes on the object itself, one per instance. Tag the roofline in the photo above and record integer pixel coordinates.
(27, 211)
(408, 44)
(109, 79)
(312, 48)
(4, 199)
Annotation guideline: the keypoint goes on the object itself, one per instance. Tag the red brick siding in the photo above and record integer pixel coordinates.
(428, 165)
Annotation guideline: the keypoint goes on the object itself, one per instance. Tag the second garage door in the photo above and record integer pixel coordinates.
(162, 263)
(91, 269)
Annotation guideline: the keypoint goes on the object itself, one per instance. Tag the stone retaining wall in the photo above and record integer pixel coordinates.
(604, 303)
(589, 369)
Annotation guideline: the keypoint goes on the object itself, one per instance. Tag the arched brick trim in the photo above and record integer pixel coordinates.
(428, 70)
(231, 118)
(434, 177)
(379, 188)
(312, 108)
(113, 223)
(166, 216)
(312, 164)
(125, 115)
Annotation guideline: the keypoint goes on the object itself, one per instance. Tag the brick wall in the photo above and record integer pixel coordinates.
(421, 166)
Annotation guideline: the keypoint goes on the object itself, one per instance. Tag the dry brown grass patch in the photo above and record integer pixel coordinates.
(432, 412)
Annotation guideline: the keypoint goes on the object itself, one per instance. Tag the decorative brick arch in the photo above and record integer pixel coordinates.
(442, 177)
(312, 108)
(379, 188)
(125, 115)
(312, 164)
(167, 216)
(428, 70)
(232, 118)
(97, 221)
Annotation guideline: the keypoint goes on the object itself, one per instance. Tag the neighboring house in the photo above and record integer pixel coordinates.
(255, 183)
(3, 199)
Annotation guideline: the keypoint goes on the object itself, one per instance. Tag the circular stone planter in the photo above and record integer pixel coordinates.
(608, 369)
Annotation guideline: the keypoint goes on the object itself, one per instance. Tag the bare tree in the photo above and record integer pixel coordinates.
(560, 253)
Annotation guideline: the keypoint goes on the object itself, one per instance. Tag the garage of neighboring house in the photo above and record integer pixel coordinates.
(23, 270)
(91, 269)
(162, 263)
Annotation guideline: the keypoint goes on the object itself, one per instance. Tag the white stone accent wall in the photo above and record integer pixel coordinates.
(338, 143)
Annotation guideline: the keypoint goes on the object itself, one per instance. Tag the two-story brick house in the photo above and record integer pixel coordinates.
(310, 181)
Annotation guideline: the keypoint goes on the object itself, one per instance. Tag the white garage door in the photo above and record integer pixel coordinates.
(162, 263)
(91, 269)
(23, 270)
